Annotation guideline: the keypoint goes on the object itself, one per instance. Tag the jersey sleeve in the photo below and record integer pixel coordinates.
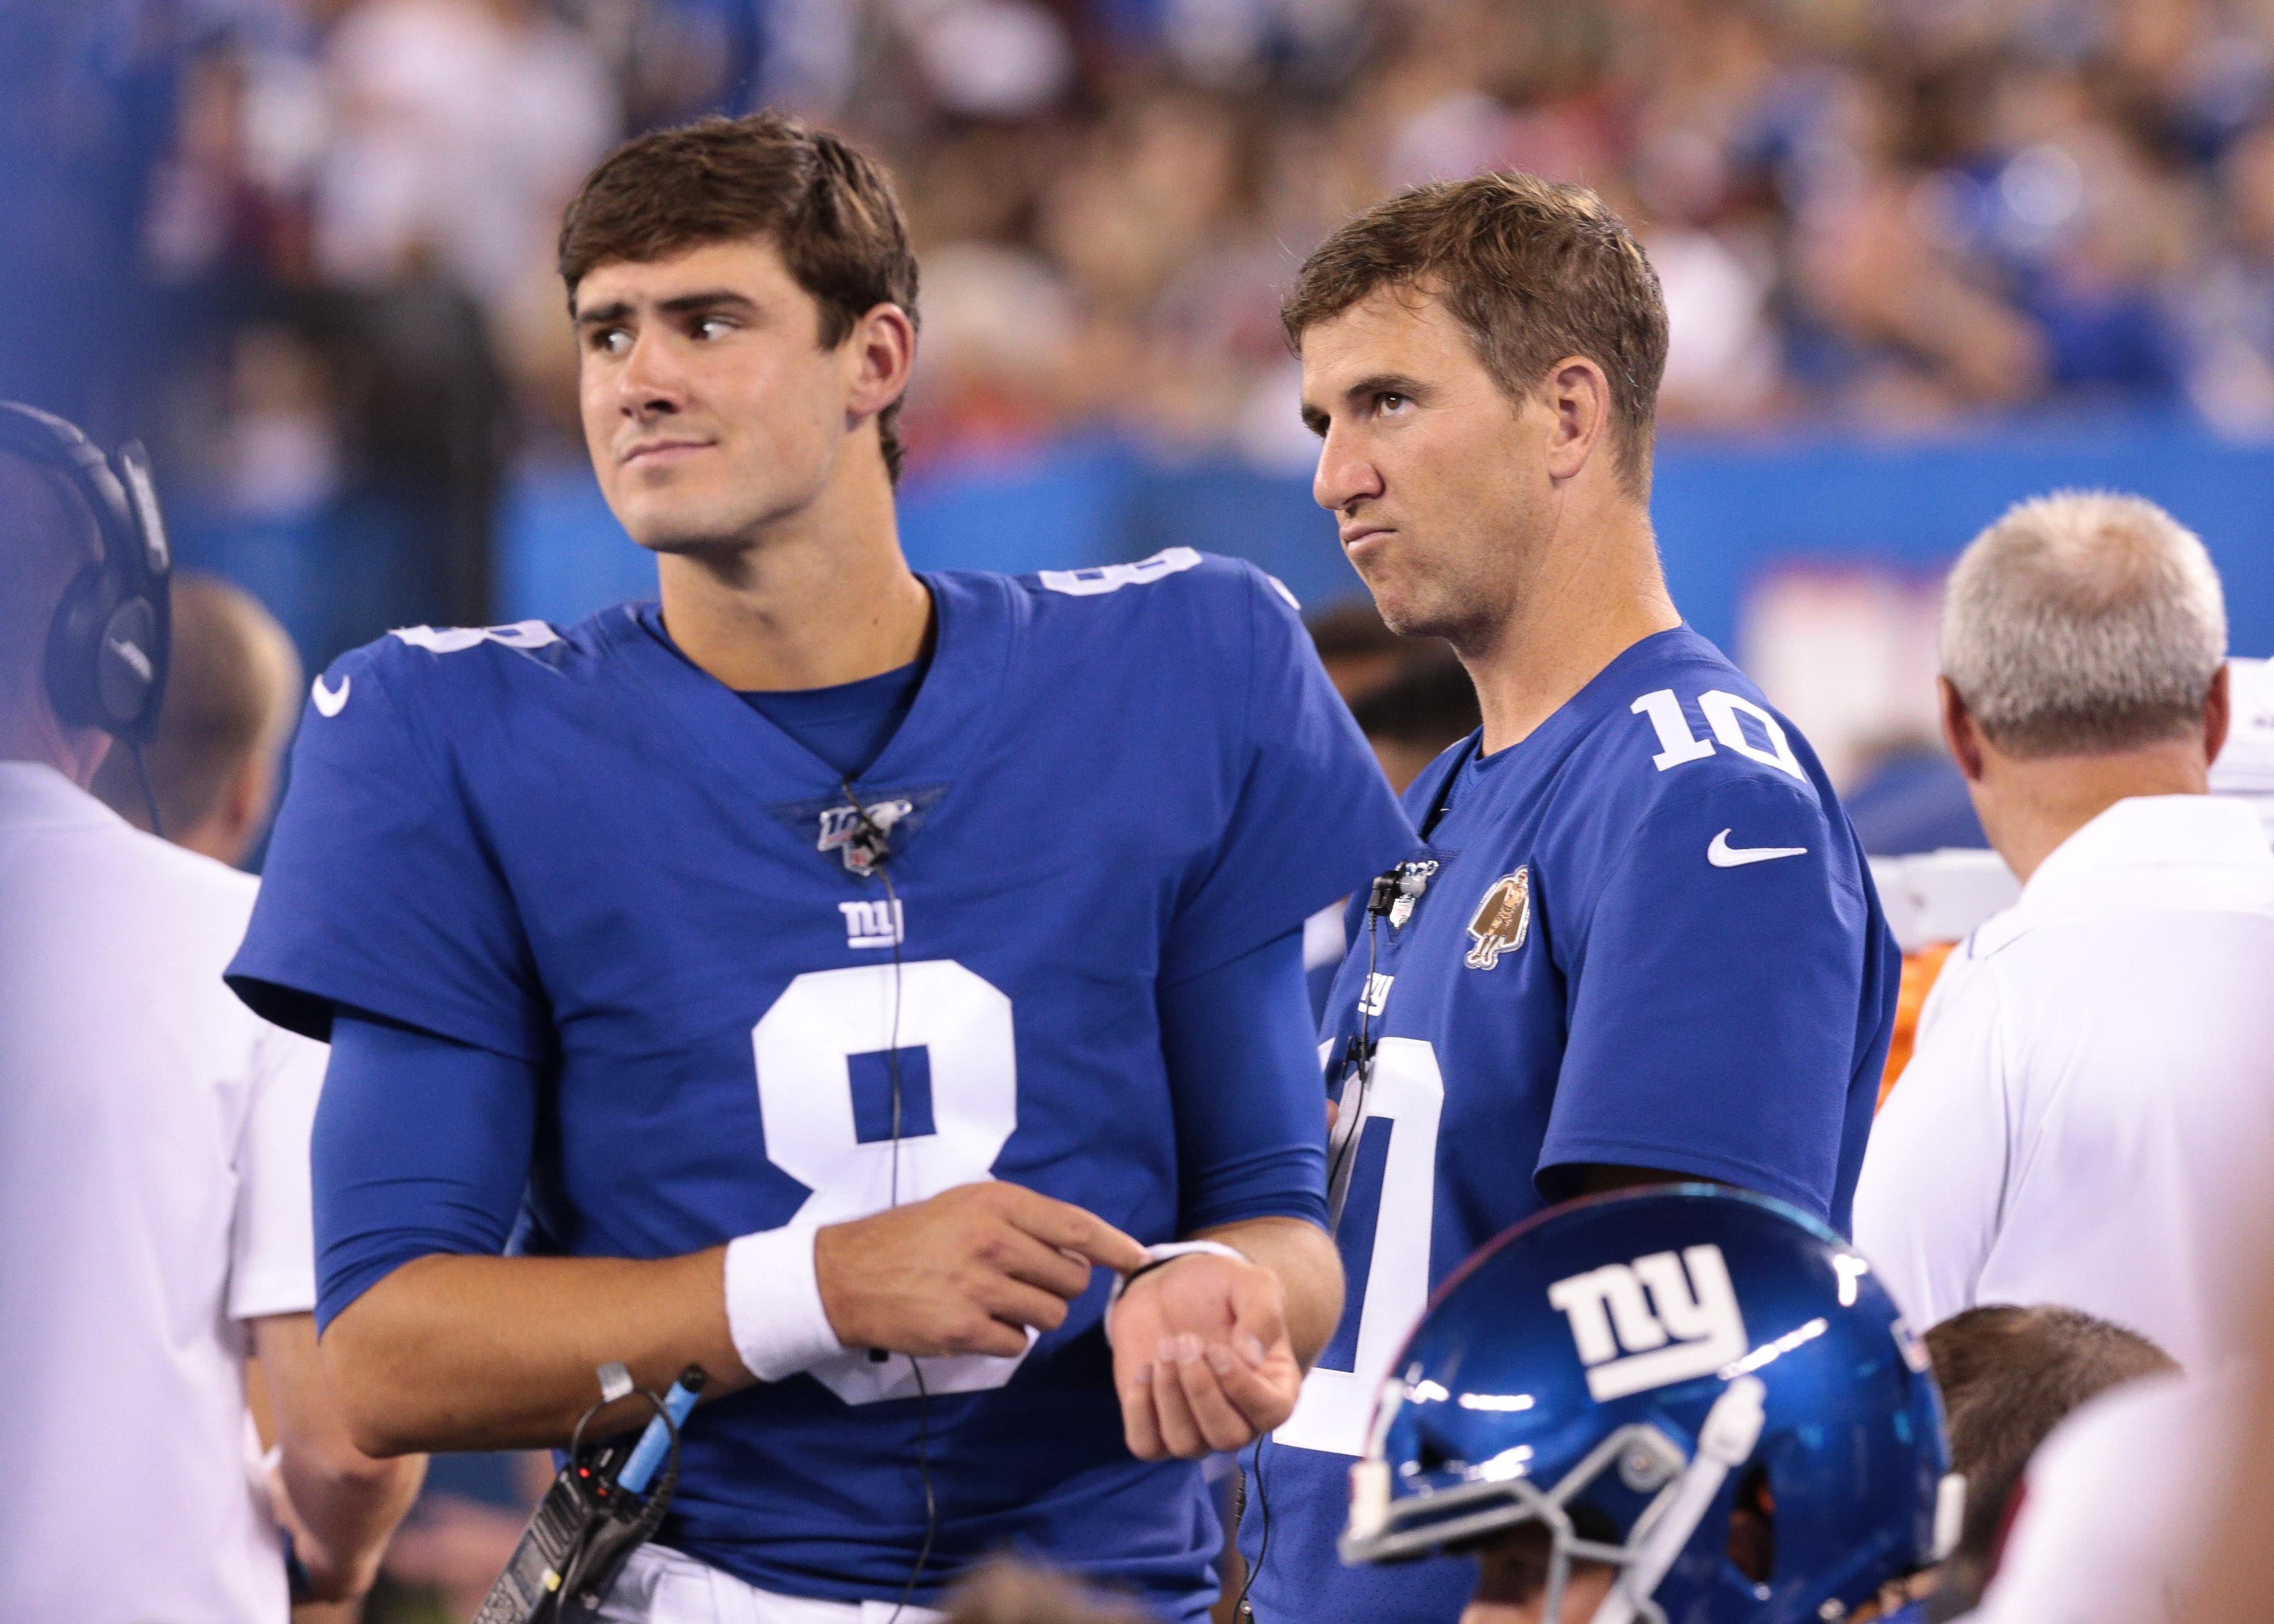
(1244, 1077)
(1313, 818)
(1935, 1168)
(1715, 998)
(421, 1146)
(379, 892)
(272, 1243)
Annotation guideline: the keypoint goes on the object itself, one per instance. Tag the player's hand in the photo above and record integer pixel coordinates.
(1201, 1358)
(330, 1578)
(968, 1271)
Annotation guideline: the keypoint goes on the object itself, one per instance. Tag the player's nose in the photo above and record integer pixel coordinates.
(1345, 473)
(652, 381)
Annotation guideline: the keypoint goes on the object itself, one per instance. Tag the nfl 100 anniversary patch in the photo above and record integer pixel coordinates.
(1502, 919)
(862, 835)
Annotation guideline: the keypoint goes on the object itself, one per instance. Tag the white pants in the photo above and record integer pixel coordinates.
(663, 1586)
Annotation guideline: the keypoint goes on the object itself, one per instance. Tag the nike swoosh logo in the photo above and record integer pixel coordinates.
(330, 702)
(1721, 854)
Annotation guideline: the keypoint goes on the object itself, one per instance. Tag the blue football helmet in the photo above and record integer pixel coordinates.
(1627, 1370)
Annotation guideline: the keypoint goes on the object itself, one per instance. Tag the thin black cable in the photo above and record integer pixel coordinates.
(149, 791)
(864, 828)
(1365, 1041)
(1263, 1530)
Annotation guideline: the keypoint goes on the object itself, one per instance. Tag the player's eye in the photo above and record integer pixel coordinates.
(1390, 400)
(712, 326)
(610, 341)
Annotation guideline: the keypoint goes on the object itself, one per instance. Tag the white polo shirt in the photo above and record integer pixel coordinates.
(2088, 1116)
(154, 1193)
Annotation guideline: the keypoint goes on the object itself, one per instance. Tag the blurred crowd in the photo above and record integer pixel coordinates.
(305, 244)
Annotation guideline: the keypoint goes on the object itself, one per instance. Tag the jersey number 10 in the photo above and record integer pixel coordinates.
(1384, 1237)
(1676, 744)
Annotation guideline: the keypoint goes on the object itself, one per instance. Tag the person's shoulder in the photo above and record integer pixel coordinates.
(192, 898)
(1672, 723)
(1176, 586)
(416, 656)
(1181, 627)
(436, 678)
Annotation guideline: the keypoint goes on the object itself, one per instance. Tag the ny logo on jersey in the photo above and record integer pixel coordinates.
(855, 833)
(874, 924)
(1501, 922)
(1652, 1322)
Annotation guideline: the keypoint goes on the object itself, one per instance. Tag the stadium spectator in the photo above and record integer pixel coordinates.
(232, 694)
(2009, 1376)
(153, 1182)
(2086, 1119)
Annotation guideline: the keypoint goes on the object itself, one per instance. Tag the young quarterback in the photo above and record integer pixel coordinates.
(814, 974)
(1641, 942)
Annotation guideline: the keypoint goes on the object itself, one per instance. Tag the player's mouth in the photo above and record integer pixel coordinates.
(660, 453)
(1360, 539)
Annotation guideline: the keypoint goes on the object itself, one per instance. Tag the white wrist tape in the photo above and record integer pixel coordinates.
(1166, 1251)
(774, 1303)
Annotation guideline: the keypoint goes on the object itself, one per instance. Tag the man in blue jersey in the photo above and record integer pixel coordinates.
(816, 973)
(1639, 941)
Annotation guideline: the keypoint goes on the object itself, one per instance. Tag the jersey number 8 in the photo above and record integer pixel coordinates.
(805, 1046)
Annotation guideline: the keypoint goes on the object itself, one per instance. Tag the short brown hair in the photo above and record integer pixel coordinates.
(828, 209)
(2008, 1377)
(1535, 270)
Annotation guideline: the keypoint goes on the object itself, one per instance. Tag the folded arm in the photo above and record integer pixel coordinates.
(1209, 1351)
(421, 1154)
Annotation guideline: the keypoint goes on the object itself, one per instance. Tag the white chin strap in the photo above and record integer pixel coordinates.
(1733, 1426)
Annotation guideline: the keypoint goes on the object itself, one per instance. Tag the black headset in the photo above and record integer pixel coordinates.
(108, 642)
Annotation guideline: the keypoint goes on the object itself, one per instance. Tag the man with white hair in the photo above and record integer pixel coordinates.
(2088, 1116)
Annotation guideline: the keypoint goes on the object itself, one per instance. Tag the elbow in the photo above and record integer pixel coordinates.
(347, 1464)
(375, 1424)
(375, 1394)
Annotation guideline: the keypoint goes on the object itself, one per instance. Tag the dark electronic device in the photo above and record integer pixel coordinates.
(108, 642)
(607, 1502)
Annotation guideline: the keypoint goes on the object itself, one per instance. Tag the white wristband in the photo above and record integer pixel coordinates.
(774, 1303)
(1167, 1249)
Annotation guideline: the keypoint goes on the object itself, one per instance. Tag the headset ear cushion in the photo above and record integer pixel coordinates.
(126, 670)
(75, 647)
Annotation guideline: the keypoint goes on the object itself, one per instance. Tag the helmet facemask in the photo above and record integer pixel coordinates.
(1498, 1495)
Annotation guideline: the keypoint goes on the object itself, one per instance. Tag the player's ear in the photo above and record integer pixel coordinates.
(880, 352)
(1959, 730)
(1578, 400)
(2217, 712)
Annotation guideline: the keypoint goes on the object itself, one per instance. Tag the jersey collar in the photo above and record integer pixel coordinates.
(940, 735)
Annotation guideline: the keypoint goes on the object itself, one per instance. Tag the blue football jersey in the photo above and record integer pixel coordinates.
(577, 849)
(1645, 935)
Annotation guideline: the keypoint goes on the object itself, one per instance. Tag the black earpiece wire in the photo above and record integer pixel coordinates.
(878, 841)
(149, 790)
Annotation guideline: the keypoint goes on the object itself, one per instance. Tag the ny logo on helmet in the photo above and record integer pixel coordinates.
(1650, 1323)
